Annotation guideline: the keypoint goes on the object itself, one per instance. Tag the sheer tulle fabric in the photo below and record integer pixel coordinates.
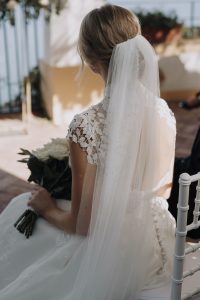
(135, 159)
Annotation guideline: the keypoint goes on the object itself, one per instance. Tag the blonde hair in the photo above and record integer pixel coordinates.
(102, 29)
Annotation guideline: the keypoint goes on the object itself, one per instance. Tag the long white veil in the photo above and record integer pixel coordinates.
(135, 163)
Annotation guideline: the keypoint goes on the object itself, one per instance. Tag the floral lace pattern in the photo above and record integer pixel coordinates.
(165, 112)
(86, 129)
(164, 225)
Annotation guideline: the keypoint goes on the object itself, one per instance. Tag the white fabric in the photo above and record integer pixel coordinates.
(135, 161)
(36, 268)
(54, 248)
(86, 128)
(129, 139)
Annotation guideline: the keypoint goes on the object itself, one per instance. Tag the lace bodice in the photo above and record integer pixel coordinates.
(86, 128)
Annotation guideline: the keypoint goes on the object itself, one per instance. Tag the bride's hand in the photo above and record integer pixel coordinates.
(41, 201)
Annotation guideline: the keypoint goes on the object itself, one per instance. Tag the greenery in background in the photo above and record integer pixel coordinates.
(157, 19)
(31, 8)
(36, 95)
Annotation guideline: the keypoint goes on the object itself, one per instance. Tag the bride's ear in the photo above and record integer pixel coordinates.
(94, 67)
(98, 68)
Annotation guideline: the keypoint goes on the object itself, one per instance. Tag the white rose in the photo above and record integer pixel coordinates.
(57, 148)
(41, 154)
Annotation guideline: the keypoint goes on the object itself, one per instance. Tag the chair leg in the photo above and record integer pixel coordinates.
(177, 277)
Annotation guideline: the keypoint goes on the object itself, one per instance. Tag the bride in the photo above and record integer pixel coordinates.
(116, 238)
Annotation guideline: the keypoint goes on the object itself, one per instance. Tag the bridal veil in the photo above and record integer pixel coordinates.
(135, 163)
(134, 152)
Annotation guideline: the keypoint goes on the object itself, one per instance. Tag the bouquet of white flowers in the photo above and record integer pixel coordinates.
(49, 167)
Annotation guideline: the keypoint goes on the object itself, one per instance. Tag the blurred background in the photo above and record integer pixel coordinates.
(39, 60)
(39, 89)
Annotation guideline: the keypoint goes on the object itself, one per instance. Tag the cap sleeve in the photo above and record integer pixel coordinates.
(81, 132)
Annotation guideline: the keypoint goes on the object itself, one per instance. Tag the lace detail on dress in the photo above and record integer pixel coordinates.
(86, 129)
(165, 230)
(165, 112)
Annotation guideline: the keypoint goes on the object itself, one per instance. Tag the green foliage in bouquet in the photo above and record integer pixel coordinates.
(49, 167)
(52, 174)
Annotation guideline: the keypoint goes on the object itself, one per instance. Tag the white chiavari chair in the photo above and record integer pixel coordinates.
(181, 230)
(185, 278)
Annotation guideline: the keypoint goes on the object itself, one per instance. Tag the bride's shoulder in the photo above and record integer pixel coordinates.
(85, 119)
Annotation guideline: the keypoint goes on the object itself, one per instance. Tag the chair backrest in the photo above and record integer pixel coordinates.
(181, 230)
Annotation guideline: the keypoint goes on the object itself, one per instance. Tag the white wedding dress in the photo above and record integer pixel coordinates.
(45, 265)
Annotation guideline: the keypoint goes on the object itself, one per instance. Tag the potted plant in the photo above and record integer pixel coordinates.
(158, 27)
(31, 8)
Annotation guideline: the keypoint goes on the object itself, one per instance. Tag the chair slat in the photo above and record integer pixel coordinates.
(195, 177)
(192, 271)
(192, 248)
(193, 226)
(188, 295)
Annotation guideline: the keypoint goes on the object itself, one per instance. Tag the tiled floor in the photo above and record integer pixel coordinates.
(11, 186)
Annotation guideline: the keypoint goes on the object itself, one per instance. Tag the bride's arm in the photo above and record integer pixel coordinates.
(47, 208)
